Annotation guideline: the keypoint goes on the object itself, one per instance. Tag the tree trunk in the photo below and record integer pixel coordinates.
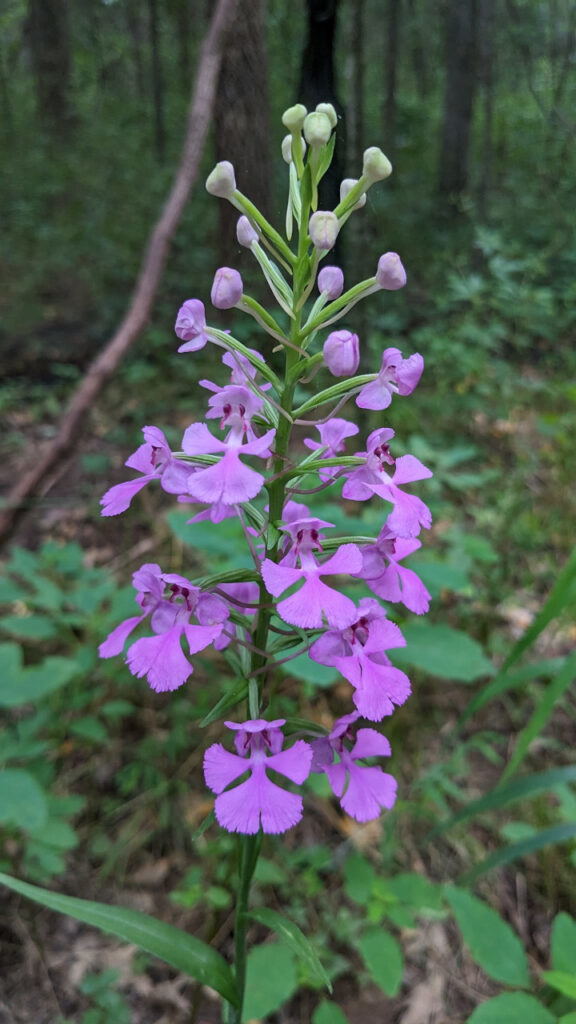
(392, 53)
(51, 58)
(318, 85)
(136, 34)
(157, 81)
(487, 77)
(355, 127)
(241, 115)
(461, 81)
(418, 53)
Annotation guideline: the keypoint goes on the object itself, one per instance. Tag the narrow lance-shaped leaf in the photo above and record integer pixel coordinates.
(295, 938)
(182, 951)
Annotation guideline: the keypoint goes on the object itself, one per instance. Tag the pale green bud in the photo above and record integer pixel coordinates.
(346, 186)
(317, 129)
(376, 166)
(293, 118)
(287, 148)
(328, 109)
(222, 180)
(323, 229)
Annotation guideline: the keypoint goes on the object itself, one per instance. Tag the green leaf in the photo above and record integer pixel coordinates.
(29, 627)
(302, 667)
(520, 789)
(20, 685)
(491, 941)
(89, 728)
(569, 1018)
(551, 696)
(22, 800)
(506, 681)
(359, 878)
(562, 982)
(182, 951)
(328, 1013)
(383, 958)
(547, 837)
(559, 598)
(295, 938)
(442, 651)
(511, 1008)
(563, 944)
(228, 700)
(271, 979)
(417, 891)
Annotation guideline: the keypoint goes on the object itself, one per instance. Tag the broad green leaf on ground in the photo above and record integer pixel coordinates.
(310, 671)
(29, 627)
(328, 1013)
(491, 941)
(547, 837)
(512, 1008)
(295, 939)
(521, 789)
(22, 800)
(383, 958)
(563, 944)
(359, 878)
(417, 891)
(19, 685)
(569, 1018)
(182, 951)
(271, 979)
(544, 708)
(442, 651)
(562, 982)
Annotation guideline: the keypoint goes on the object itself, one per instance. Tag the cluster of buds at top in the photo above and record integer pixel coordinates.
(292, 600)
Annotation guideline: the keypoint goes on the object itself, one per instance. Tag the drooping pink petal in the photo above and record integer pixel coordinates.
(368, 790)
(114, 642)
(413, 592)
(198, 440)
(294, 763)
(161, 659)
(408, 373)
(337, 777)
(346, 560)
(316, 603)
(260, 445)
(221, 767)
(228, 481)
(279, 577)
(141, 459)
(258, 799)
(200, 637)
(118, 498)
(375, 395)
(408, 469)
(174, 479)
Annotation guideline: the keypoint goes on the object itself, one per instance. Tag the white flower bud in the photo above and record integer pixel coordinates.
(317, 129)
(245, 233)
(376, 166)
(328, 109)
(346, 186)
(323, 229)
(287, 149)
(222, 180)
(293, 118)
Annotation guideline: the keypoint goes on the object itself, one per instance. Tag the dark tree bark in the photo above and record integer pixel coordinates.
(157, 81)
(460, 89)
(391, 73)
(355, 126)
(241, 115)
(418, 52)
(487, 12)
(136, 33)
(318, 85)
(51, 56)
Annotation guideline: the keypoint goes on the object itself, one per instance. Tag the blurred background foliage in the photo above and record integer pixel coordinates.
(474, 102)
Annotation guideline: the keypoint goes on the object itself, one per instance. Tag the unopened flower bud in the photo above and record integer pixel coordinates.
(245, 233)
(342, 353)
(390, 274)
(190, 325)
(317, 129)
(222, 180)
(323, 229)
(293, 118)
(331, 282)
(328, 109)
(227, 288)
(287, 149)
(376, 166)
(346, 186)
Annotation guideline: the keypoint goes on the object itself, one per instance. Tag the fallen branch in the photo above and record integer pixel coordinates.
(138, 313)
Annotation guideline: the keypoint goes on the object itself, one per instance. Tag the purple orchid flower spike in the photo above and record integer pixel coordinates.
(396, 375)
(363, 792)
(315, 603)
(359, 654)
(191, 325)
(387, 578)
(257, 802)
(409, 513)
(235, 405)
(333, 434)
(160, 657)
(155, 461)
